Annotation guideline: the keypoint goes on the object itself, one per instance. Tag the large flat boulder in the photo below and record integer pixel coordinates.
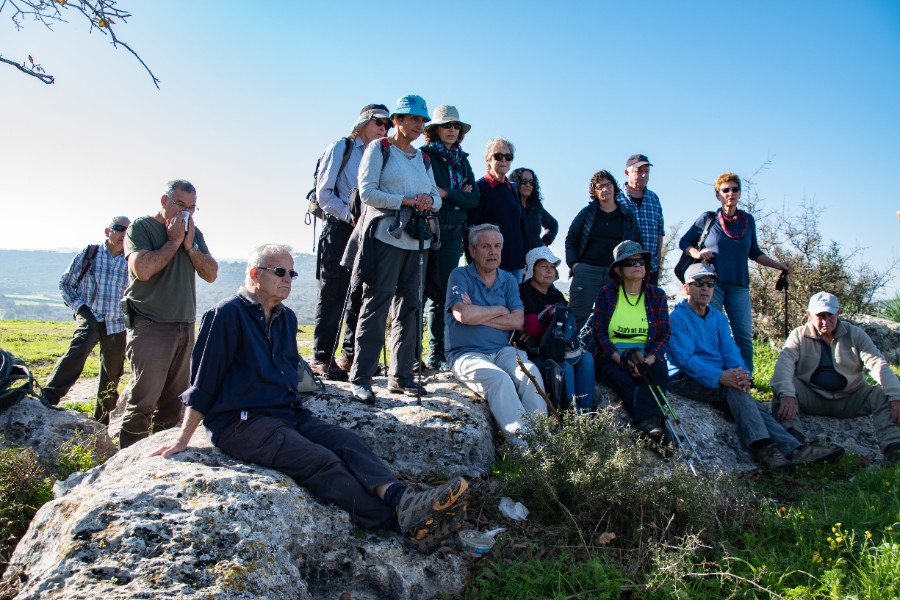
(201, 525)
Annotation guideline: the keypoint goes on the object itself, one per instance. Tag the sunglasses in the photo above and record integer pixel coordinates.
(633, 262)
(526, 182)
(280, 272)
(117, 227)
(502, 156)
(704, 284)
(384, 123)
(735, 189)
(451, 126)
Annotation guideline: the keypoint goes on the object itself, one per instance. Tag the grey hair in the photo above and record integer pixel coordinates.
(260, 256)
(115, 220)
(179, 185)
(494, 142)
(475, 230)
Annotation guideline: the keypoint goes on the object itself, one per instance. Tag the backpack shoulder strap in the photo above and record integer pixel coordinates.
(710, 217)
(90, 253)
(385, 150)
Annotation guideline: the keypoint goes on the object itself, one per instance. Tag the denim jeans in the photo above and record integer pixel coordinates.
(734, 301)
(579, 380)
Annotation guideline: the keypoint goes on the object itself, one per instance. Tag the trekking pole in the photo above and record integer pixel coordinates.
(662, 401)
(550, 408)
(420, 300)
(337, 336)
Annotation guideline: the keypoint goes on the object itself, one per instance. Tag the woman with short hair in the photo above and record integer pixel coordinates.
(596, 230)
(730, 242)
(542, 228)
(499, 204)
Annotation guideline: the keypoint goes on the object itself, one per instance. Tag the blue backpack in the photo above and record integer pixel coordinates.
(560, 342)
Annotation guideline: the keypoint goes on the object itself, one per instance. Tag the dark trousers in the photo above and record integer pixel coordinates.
(333, 283)
(88, 334)
(447, 259)
(160, 355)
(394, 287)
(635, 396)
(331, 462)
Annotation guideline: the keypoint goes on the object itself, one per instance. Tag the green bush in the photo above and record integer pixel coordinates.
(24, 488)
(890, 309)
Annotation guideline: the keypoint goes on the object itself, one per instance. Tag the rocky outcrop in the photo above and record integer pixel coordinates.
(51, 431)
(201, 525)
(885, 333)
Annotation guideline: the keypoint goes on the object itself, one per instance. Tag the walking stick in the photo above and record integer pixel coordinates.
(420, 300)
(550, 408)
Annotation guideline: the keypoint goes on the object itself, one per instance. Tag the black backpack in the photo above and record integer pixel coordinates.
(560, 342)
(16, 381)
(87, 260)
(555, 384)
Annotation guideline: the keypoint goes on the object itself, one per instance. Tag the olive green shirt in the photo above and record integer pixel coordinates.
(170, 296)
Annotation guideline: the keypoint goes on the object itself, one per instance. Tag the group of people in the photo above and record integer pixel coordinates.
(420, 210)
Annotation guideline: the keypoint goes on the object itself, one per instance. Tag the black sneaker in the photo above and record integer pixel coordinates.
(427, 518)
(406, 385)
(362, 393)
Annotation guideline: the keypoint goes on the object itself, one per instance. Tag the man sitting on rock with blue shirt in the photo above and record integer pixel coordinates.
(244, 388)
(712, 371)
(483, 310)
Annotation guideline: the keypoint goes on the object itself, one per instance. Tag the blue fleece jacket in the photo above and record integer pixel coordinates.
(701, 347)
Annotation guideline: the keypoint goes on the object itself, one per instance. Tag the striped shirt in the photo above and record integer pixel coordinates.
(101, 288)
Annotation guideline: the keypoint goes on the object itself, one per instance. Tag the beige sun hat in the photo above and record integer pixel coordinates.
(536, 254)
(446, 113)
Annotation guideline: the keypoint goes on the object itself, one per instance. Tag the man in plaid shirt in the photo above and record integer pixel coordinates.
(92, 287)
(646, 208)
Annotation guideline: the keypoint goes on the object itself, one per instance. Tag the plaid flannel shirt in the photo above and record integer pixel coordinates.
(101, 288)
(650, 219)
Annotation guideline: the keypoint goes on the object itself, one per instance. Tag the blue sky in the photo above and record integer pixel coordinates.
(251, 93)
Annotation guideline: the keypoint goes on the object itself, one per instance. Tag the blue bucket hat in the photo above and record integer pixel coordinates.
(411, 105)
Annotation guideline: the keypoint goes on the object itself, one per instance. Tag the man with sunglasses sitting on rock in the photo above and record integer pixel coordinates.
(92, 287)
(710, 369)
(245, 388)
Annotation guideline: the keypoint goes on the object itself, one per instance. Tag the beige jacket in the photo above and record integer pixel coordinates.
(851, 350)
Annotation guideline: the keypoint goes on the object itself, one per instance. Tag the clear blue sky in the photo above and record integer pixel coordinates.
(249, 99)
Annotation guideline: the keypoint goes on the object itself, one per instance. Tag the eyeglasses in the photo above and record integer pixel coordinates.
(280, 271)
(501, 156)
(451, 126)
(704, 284)
(734, 189)
(118, 227)
(181, 206)
(526, 182)
(606, 185)
(633, 262)
(384, 123)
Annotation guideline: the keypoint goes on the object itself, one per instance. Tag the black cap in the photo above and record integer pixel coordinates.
(637, 160)
(374, 107)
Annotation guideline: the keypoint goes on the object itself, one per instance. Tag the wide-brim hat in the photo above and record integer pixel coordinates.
(368, 113)
(446, 113)
(626, 250)
(536, 254)
(411, 105)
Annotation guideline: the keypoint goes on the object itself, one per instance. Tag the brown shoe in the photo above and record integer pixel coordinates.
(319, 367)
(771, 458)
(330, 370)
(344, 362)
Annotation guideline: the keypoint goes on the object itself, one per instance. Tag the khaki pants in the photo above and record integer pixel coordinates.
(868, 400)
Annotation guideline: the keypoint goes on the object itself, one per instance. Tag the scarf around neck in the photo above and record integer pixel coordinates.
(453, 158)
(735, 226)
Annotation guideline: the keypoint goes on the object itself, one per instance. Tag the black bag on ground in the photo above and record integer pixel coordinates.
(555, 384)
(686, 259)
(16, 381)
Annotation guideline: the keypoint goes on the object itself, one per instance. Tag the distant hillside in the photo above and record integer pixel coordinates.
(29, 281)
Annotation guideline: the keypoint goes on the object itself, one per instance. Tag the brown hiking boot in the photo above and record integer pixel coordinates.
(808, 454)
(329, 370)
(771, 458)
(426, 518)
(344, 362)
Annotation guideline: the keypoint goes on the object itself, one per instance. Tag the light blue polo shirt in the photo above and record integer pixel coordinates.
(460, 338)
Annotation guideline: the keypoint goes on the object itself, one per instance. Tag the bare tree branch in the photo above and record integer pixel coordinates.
(103, 15)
